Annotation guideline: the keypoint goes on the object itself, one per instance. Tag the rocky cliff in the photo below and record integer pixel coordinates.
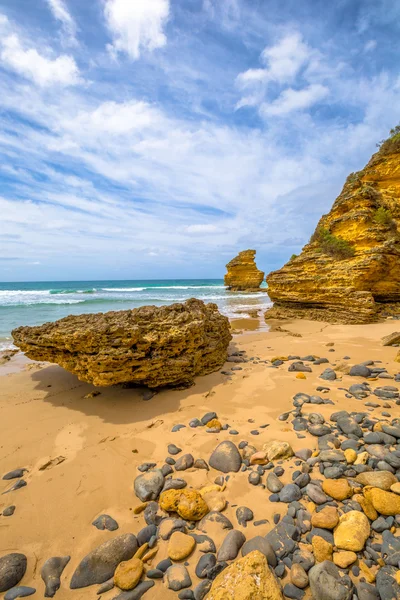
(155, 346)
(349, 272)
(243, 273)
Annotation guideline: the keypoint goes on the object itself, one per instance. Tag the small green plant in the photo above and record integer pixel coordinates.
(331, 244)
(293, 256)
(392, 143)
(383, 216)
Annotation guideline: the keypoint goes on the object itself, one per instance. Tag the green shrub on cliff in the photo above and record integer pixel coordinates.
(392, 144)
(383, 216)
(331, 244)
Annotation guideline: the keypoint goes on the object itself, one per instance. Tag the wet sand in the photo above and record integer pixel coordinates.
(91, 447)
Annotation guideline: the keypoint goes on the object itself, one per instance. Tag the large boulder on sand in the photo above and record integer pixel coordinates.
(154, 346)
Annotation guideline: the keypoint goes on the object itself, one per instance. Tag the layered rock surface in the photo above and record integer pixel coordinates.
(350, 270)
(155, 346)
(243, 273)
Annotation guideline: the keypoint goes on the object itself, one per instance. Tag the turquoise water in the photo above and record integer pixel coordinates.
(37, 303)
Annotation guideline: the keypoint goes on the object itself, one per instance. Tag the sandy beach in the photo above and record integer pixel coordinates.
(82, 450)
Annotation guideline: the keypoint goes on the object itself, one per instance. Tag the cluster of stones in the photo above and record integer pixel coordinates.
(336, 535)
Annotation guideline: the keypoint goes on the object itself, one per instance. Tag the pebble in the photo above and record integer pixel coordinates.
(16, 486)
(177, 428)
(226, 458)
(298, 576)
(19, 592)
(51, 573)
(105, 522)
(149, 485)
(184, 462)
(172, 449)
(243, 515)
(178, 578)
(231, 545)
(9, 511)
(328, 583)
(12, 570)
(180, 546)
(291, 591)
(100, 564)
(15, 474)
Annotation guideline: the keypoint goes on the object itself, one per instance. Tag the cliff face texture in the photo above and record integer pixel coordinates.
(349, 272)
(154, 346)
(243, 273)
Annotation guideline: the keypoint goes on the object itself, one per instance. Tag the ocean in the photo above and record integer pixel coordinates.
(37, 303)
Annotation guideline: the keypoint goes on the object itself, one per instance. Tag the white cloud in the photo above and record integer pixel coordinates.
(283, 61)
(136, 25)
(292, 100)
(60, 12)
(34, 66)
(202, 228)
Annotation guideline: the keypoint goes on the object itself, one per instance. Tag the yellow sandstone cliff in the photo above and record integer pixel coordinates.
(349, 272)
(243, 274)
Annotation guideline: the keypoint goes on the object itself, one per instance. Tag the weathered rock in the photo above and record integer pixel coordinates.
(51, 573)
(180, 545)
(155, 346)
(387, 583)
(344, 559)
(298, 576)
(345, 272)
(327, 518)
(243, 273)
(226, 458)
(392, 338)
(352, 531)
(100, 564)
(12, 570)
(390, 548)
(339, 489)
(321, 548)
(385, 503)
(378, 479)
(248, 578)
(278, 450)
(128, 573)
(189, 504)
(149, 485)
(178, 578)
(327, 583)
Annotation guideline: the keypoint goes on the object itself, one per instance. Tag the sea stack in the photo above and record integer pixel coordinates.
(150, 345)
(243, 274)
(349, 272)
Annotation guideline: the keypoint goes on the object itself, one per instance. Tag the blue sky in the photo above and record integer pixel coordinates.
(157, 138)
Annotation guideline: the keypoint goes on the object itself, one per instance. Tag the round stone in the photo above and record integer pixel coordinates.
(180, 546)
(339, 489)
(352, 531)
(298, 576)
(344, 559)
(327, 518)
(226, 458)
